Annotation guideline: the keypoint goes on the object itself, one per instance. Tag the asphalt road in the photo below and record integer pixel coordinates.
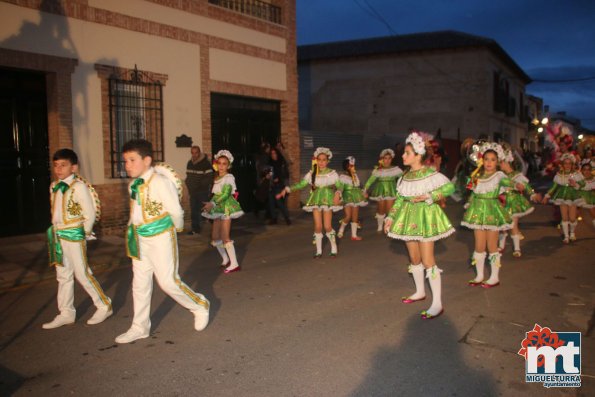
(287, 325)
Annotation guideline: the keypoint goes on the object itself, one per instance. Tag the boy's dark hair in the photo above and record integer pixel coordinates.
(586, 165)
(66, 154)
(143, 147)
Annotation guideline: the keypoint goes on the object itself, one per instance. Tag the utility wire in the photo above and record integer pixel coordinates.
(371, 11)
(563, 80)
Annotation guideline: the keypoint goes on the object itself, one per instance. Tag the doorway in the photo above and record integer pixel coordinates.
(241, 125)
(24, 153)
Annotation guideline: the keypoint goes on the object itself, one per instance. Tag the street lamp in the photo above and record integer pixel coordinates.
(545, 120)
(540, 130)
(580, 137)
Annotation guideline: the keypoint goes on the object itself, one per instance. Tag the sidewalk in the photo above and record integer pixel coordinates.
(24, 259)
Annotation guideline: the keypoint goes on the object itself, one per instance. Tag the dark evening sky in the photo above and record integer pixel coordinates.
(549, 39)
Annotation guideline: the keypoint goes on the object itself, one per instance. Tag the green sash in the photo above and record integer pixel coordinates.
(145, 230)
(54, 246)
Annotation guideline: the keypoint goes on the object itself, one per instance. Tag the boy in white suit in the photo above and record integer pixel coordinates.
(73, 215)
(155, 216)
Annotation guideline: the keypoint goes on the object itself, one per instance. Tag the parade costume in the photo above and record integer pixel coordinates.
(322, 196)
(587, 193)
(75, 208)
(382, 184)
(421, 221)
(485, 212)
(424, 220)
(352, 196)
(225, 206)
(155, 218)
(562, 193)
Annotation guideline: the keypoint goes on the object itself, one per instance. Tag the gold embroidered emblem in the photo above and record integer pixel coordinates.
(153, 207)
(73, 208)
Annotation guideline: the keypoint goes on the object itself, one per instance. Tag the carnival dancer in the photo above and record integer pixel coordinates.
(565, 194)
(516, 203)
(151, 240)
(588, 191)
(382, 185)
(417, 218)
(353, 198)
(222, 208)
(485, 214)
(324, 198)
(75, 208)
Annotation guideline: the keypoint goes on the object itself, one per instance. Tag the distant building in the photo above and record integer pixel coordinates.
(378, 89)
(93, 74)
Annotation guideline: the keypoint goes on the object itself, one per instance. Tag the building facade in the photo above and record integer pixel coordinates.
(91, 74)
(449, 82)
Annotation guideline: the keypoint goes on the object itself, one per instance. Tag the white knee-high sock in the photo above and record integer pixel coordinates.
(495, 264)
(417, 271)
(318, 242)
(341, 229)
(478, 260)
(516, 241)
(231, 252)
(572, 228)
(380, 220)
(565, 226)
(502, 240)
(331, 237)
(219, 245)
(435, 279)
(353, 229)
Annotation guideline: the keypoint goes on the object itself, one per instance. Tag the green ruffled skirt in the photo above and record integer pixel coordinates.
(383, 190)
(354, 197)
(419, 222)
(588, 197)
(227, 209)
(321, 198)
(486, 214)
(517, 205)
(566, 195)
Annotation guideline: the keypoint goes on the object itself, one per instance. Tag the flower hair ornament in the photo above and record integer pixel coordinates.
(351, 160)
(390, 152)
(568, 156)
(323, 150)
(418, 141)
(476, 156)
(508, 154)
(222, 153)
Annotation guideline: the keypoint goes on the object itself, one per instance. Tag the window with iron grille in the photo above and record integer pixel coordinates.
(136, 112)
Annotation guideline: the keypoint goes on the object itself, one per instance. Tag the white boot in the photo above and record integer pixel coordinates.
(354, 235)
(233, 261)
(478, 260)
(380, 220)
(417, 271)
(435, 279)
(318, 242)
(572, 228)
(219, 245)
(341, 229)
(565, 226)
(502, 241)
(516, 242)
(493, 281)
(331, 237)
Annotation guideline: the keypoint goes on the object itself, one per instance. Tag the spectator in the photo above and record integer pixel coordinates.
(198, 181)
(278, 177)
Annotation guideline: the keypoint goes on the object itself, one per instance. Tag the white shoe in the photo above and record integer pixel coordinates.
(100, 316)
(131, 335)
(58, 321)
(201, 319)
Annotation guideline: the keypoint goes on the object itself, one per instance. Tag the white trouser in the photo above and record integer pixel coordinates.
(159, 256)
(74, 260)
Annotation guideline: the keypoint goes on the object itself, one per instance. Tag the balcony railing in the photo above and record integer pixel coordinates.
(254, 8)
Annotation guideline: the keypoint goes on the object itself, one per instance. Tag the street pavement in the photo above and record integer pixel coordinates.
(288, 325)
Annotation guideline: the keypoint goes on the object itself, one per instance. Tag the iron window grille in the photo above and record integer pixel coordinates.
(136, 112)
(254, 8)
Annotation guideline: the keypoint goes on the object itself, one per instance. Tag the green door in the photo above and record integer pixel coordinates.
(241, 125)
(24, 158)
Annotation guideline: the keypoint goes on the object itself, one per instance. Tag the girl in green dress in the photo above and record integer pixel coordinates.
(353, 198)
(417, 218)
(485, 214)
(588, 191)
(324, 198)
(516, 203)
(565, 194)
(382, 185)
(222, 208)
